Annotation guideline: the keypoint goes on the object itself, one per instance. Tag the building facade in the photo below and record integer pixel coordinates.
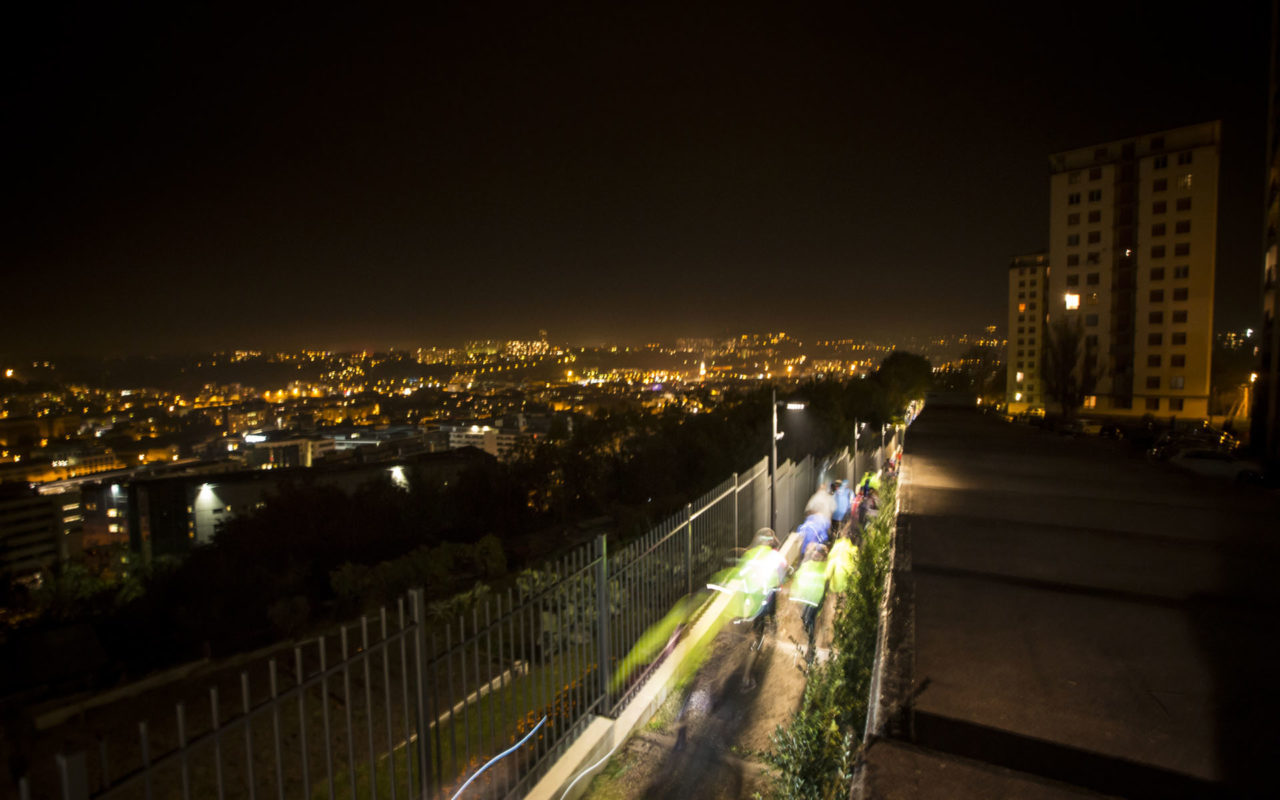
(1265, 428)
(1028, 294)
(1132, 237)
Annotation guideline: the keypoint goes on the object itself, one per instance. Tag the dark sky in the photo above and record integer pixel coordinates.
(200, 176)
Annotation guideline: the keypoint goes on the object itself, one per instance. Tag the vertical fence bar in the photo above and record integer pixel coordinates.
(419, 658)
(324, 713)
(448, 699)
(104, 779)
(368, 706)
(504, 709)
(602, 604)
(72, 775)
(272, 685)
(248, 734)
(466, 706)
(181, 711)
(387, 705)
(217, 742)
(346, 703)
(493, 713)
(300, 677)
(404, 697)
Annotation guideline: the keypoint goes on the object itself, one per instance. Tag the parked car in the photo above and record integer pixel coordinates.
(1218, 464)
(1170, 444)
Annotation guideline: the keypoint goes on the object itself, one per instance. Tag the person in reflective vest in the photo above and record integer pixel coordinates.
(841, 564)
(809, 586)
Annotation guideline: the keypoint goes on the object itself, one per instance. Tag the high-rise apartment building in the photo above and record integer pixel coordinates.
(1265, 428)
(1028, 295)
(1132, 240)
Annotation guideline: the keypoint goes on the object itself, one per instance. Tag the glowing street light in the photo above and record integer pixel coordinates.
(773, 456)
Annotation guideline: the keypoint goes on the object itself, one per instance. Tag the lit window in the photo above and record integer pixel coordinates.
(1177, 382)
(1072, 300)
(1090, 400)
(113, 512)
(1184, 181)
(1022, 307)
(1018, 377)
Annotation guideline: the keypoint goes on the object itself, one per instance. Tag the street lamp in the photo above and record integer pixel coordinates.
(773, 457)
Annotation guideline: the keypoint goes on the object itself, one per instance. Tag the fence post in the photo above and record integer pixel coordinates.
(688, 547)
(73, 774)
(735, 512)
(602, 611)
(420, 665)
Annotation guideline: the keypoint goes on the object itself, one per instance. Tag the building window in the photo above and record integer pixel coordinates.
(1156, 296)
(1091, 340)
(1090, 400)
(1154, 339)
(1157, 229)
(1183, 249)
(1183, 204)
(1073, 219)
(1177, 382)
(1153, 360)
(1179, 316)
(1095, 174)
(1184, 181)
(1180, 294)
(1095, 237)
(1178, 360)
(1155, 317)
(1092, 258)
(1182, 226)
(1092, 299)
(1160, 185)
(1161, 162)
(1153, 382)
(1073, 239)
(1175, 403)
(1073, 280)
(1091, 279)
(1073, 177)
(1178, 338)
(1182, 272)
(1073, 260)
(1157, 273)
(1095, 216)
(1022, 308)
(1073, 199)
(1159, 207)
(1071, 300)
(1095, 195)
(1153, 403)
(1157, 251)
(1184, 158)
(1091, 320)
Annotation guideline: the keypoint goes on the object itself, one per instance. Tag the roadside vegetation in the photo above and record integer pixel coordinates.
(813, 755)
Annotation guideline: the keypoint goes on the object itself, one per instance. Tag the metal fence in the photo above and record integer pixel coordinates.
(404, 703)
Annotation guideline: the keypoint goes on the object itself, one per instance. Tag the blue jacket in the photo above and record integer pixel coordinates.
(844, 497)
(815, 528)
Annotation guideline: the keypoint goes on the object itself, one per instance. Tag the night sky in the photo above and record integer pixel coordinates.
(201, 176)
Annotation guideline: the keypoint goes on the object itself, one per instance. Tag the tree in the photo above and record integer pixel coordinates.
(1069, 368)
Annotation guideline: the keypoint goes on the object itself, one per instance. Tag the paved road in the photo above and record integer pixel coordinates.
(1072, 617)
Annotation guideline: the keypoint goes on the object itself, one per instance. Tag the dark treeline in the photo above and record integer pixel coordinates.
(313, 552)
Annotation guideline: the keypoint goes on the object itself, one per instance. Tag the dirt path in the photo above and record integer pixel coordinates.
(720, 757)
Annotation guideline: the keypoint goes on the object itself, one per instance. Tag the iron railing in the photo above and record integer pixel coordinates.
(402, 703)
